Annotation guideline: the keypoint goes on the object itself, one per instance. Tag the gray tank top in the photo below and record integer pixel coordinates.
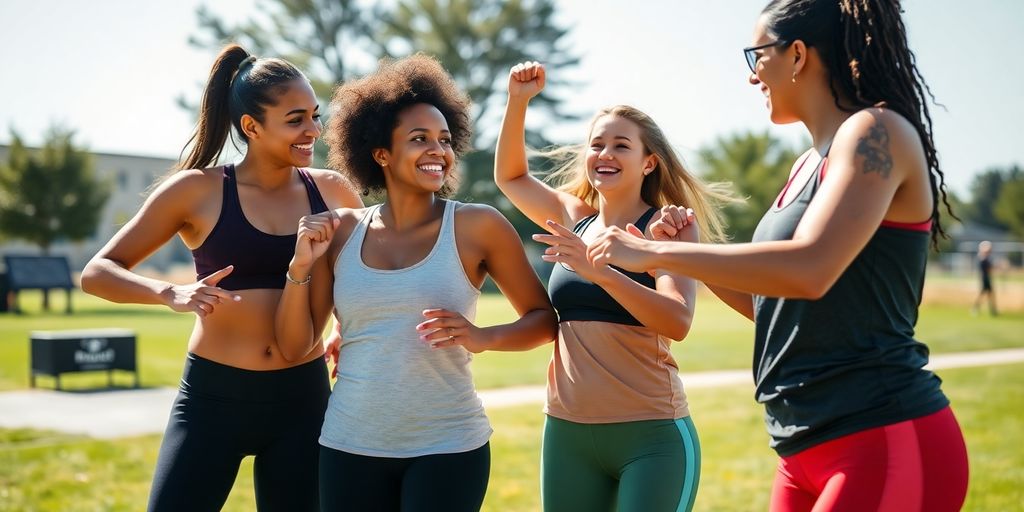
(395, 395)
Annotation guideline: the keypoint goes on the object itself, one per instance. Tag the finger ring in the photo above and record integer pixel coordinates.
(451, 338)
(450, 332)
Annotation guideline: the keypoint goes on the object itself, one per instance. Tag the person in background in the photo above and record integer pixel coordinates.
(985, 273)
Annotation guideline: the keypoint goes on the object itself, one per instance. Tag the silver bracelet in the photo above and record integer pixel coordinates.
(300, 283)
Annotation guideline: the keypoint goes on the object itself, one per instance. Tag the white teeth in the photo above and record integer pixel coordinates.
(606, 169)
(431, 168)
(303, 146)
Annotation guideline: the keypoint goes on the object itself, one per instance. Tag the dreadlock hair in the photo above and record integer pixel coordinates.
(668, 183)
(863, 44)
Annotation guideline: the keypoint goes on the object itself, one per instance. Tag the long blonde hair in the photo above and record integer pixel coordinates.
(669, 183)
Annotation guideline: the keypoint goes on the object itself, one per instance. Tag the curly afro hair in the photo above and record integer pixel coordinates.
(365, 112)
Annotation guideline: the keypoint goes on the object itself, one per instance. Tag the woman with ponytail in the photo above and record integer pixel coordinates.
(239, 396)
(834, 274)
(618, 433)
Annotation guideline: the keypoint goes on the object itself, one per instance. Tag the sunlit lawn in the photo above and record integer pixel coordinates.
(53, 471)
(42, 471)
(719, 339)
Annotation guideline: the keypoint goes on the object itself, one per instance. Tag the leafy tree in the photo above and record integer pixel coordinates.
(757, 165)
(1009, 207)
(50, 194)
(985, 191)
(476, 40)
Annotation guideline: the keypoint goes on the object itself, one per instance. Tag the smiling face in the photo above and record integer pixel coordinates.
(421, 155)
(289, 128)
(774, 74)
(615, 157)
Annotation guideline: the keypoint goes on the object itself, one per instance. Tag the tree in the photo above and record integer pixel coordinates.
(757, 165)
(985, 191)
(50, 194)
(476, 40)
(1009, 207)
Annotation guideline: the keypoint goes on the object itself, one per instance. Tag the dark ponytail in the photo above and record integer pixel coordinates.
(863, 44)
(239, 84)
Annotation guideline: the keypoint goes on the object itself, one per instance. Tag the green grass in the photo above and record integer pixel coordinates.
(719, 339)
(45, 471)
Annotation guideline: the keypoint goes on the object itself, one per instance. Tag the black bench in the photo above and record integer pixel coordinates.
(57, 352)
(38, 273)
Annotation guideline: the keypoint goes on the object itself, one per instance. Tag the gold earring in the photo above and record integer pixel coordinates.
(794, 77)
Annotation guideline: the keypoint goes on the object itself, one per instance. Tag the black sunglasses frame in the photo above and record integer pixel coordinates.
(752, 58)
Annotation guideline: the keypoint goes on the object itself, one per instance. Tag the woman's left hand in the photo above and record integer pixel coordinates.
(568, 248)
(618, 247)
(444, 328)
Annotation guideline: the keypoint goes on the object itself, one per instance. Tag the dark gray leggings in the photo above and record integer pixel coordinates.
(223, 414)
(448, 482)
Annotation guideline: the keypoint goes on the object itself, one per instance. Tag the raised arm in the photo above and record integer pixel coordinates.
(875, 153)
(536, 199)
(167, 211)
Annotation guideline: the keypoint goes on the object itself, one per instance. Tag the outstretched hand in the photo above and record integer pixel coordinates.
(569, 249)
(203, 296)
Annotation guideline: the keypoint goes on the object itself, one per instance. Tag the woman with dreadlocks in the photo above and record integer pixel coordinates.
(833, 276)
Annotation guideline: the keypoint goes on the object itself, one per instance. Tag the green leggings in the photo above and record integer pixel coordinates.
(649, 466)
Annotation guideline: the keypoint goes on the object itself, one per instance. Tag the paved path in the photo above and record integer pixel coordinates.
(122, 413)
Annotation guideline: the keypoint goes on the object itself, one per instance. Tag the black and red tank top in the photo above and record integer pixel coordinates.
(848, 361)
(260, 259)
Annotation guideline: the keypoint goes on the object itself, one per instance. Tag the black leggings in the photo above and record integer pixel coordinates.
(449, 482)
(223, 414)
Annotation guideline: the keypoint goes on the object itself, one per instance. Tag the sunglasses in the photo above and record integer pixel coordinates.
(751, 52)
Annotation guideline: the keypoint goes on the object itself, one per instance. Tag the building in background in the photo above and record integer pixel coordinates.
(131, 177)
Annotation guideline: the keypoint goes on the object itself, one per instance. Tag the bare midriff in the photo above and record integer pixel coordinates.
(241, 334)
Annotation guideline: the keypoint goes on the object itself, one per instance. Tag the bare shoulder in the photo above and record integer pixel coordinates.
(189, 186)
(349, 217)
(480, 218)
(336, 189)
(879, 141)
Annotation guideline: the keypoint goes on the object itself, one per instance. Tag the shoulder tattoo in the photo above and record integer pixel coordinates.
(874, 147)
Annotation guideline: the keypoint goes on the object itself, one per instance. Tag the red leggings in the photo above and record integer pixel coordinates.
(919, 464)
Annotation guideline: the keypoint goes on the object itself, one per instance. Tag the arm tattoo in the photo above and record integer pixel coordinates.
(874, 147)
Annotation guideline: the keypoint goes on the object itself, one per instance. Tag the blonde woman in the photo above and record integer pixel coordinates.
(618, 432)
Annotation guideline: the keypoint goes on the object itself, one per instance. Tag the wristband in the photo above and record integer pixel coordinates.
(300, 283)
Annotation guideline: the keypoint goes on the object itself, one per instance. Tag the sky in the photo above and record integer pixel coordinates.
(113, 69)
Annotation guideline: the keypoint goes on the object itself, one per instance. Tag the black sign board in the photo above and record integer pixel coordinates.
(57, 352)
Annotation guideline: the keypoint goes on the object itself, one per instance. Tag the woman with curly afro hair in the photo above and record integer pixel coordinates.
(404, 429)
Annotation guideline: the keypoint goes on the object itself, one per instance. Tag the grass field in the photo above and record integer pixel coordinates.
(719, 339)
(48, 471)
(42, 471)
